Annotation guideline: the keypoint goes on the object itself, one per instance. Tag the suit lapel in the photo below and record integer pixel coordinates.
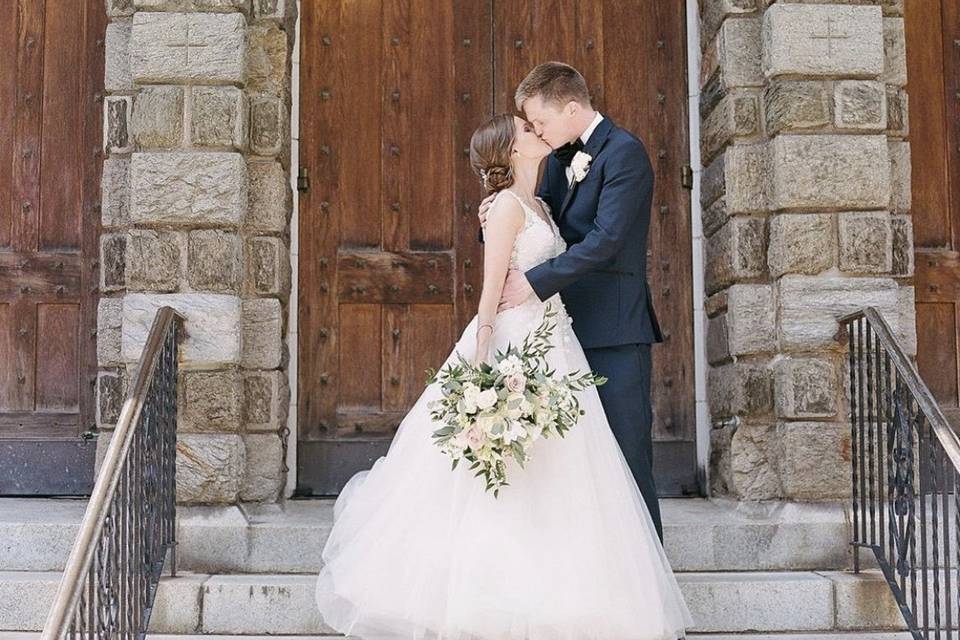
(594, 143)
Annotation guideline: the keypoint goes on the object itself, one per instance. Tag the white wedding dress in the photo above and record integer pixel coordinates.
(568, 550)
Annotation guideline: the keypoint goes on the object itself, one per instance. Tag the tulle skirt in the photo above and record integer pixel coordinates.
(568, 550)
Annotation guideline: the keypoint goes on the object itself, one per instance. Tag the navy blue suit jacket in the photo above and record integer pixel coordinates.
(602, 276)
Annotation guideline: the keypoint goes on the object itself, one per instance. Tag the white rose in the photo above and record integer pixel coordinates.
(580, 165)
(510, 365)
(516, 382)
(487, 399)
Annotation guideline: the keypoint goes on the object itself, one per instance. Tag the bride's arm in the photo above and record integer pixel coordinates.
(504, 221)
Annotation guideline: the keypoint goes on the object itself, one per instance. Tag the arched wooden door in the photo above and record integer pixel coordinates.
(390, 266)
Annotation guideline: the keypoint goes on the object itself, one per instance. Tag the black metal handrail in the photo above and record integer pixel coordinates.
(905, 464)
(110, 580)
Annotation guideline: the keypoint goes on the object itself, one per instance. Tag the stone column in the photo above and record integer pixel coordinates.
(806, 195)
(196, 204)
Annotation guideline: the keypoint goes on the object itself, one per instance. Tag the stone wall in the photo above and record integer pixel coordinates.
(195, 215)
(806, 198)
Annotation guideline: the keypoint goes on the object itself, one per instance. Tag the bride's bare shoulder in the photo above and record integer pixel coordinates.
(506, 211)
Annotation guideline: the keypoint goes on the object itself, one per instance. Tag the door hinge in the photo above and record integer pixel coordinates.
(303, 179)
(686, 177)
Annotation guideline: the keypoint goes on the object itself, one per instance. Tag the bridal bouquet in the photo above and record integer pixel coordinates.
(490, 412)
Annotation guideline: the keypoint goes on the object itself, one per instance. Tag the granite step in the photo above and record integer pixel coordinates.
(283, 604)
(699, 535)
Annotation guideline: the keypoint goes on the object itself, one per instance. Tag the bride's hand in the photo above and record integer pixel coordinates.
(485, 208)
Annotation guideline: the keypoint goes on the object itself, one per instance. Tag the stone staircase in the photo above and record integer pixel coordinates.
(763, 570)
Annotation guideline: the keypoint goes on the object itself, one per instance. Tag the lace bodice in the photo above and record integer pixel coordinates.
(537, 241)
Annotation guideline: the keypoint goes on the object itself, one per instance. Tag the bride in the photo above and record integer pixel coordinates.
(568, 551)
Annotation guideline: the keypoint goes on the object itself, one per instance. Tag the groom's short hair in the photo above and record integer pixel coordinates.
(554, 82)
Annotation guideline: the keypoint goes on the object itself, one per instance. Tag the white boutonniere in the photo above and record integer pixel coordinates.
(580, 165)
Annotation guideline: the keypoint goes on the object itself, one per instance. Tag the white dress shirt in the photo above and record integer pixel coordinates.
(583, 138)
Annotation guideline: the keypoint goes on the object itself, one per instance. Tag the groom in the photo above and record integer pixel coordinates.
(599, 185)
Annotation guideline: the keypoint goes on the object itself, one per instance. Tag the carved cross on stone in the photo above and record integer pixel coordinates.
(829, 36)
(186, 44)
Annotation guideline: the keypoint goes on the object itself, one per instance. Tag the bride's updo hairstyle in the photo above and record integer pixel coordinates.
(490, 148)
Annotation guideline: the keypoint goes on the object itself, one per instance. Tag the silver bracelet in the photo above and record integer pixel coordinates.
(484, 325)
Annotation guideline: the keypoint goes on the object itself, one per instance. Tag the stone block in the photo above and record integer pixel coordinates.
(713, 180)
(751, 319)
(212, 323)
(748, 603)
(109, 320)
(739, 389)
(116, 76)
(721, 475)
(268, 125)
(113, 249)
(158, 117)
(115, 192)
(218, 117)
(892, 7)
(176, 609)
(264, 604)
(119, 8)
(897, 110)
(811, 305)
(823, 40)
(116, 114)
(111, 391)
(274, 9)
(865, 601)
(715, 13)
(746, 176)
(188, 48)
(715, 216)
(901, 226)
(223, 5)
(153, 260)
(267, 60)
(269, 197)
(738, 251)
(901, 193)
(806, 388)
(262, 334)
(718, 339)
(210, 401)
(905, 328)
(754, 456)
(866, 242)
(895, 52)
(264, 477)
(266, 400)
(801, 243)
(716, 304)
(209, 467)
(268, 267)
(815, 460)
(792, 105)
(740, 52)
(860, 104)
(737, 115)
(836, 171)
(214, 260)
(188, 188)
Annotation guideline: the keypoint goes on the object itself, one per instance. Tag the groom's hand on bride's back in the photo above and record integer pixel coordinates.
(485, 208)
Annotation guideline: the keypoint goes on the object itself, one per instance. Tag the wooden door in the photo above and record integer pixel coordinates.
(390, 266)
(933, 76)
(51, 86)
